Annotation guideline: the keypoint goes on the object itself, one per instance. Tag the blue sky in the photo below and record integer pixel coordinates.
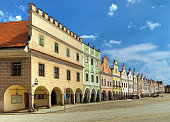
(136, 32)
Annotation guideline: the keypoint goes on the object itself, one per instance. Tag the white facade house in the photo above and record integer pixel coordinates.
(130, 81)
(124, 81)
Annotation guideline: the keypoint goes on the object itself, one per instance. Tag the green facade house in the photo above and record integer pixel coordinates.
(91, 74)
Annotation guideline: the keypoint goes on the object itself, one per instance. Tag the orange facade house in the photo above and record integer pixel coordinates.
(106, 80)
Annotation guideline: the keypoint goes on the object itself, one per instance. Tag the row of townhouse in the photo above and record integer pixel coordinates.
(43, 63)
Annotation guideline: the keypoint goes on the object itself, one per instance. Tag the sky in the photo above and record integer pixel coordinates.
(134, 32)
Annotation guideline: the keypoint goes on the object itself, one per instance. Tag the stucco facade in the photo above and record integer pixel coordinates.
(124, 82)
(135, 84)
(139, 86)
(106, 80)
(116, 81)
(130, 81)
(91, 74)
(51, 63)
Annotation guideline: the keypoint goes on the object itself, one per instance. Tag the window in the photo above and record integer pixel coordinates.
(114, 83)
(97, 80)
(105, 82)
(108, 83)
(92, 78)
(41, 41)
(68, 75)
(56, 47)
(78, 76)
(116, 71)
(16, 69)
(126, 85)
(68, 52)
(56, 72)
(41, 69)
(122, 84)
(16, 99)
(77, 57)
(91, 61)
(102, 82)
(86, 59)
(87, 76)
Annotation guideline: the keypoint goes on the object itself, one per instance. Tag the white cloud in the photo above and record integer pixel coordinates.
(1, 13)
(106, 44)
(162, 6)
(90, 36)
(111, 42)
(23, 8)
(168, 45)
(133, 1)
(112, 9)
(131, 25)
(150, 25)
(153, 7)
(149, 60)
(115, 42)
(16, 18)
(9, 17)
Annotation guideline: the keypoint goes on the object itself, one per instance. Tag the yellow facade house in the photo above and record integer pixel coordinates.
(40, 64)
(116, 81)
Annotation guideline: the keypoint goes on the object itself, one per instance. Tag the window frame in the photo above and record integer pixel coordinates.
(41, 42)
(68, 75)
(77, 57)
(18, 69)
(41, 71)
(68, 52)
(78, 77)
(55, 76)
(56, 48)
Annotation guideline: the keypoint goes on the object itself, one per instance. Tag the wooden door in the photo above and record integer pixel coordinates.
(26, 100)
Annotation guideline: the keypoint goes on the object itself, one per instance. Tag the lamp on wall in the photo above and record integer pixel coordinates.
(36, 82)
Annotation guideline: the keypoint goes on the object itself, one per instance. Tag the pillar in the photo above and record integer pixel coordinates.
(82, 96)
(49, 101)
(62, 99)
(31, 102)
(73, 98)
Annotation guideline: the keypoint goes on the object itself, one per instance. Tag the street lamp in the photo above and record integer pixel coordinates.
(36, 82)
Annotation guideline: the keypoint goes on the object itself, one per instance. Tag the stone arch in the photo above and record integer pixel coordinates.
(16, 97)
(93, 95)
(78, 96)
(41, 96)
(69, 96)
(98, 98)
(56, 96)
(109, 95)
(87, 95)
(104, 96)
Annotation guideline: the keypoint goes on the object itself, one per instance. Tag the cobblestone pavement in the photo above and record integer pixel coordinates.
(143, 110)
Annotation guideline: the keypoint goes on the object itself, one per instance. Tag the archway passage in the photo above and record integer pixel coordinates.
(93, 96)
(78, 96)
(109, 95)
(87, 96)
(98, 96)
(117, 95)
(126, 95)
(41, 97)
(114, 95)
(104, 95)
(16, 98)
(69, 96)
(56, 96)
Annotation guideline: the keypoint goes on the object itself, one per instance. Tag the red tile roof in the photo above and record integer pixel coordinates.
(13, 34)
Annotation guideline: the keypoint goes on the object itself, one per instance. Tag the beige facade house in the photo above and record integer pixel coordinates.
(39, 62)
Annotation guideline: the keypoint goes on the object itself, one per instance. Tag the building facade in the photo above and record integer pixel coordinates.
(91, 74)
(135, 84)
(124, 82)
(142, 86)
(44, 61)
(139, 86)
(106, 80)
(145, 86)
(116, 81)
(130, 81)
